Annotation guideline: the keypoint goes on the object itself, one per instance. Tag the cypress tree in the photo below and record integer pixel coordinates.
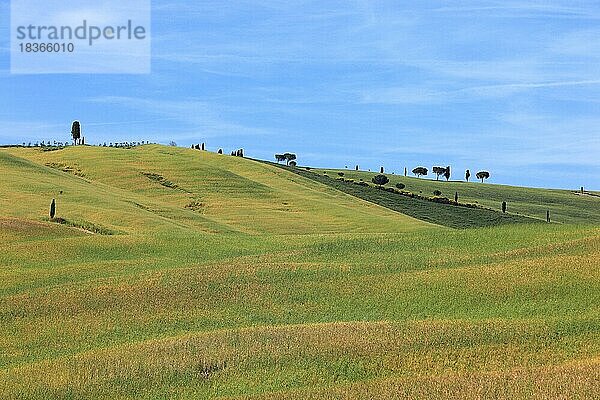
(52, 209)
(76, 131)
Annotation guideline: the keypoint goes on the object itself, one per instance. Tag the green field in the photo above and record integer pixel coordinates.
(565, 206)
(452, 214)
(180, 274)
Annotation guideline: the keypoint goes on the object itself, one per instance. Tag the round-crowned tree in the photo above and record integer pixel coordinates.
(420, 171)
(289, 157)
(380, 179)
(483, 175)
(438, 171)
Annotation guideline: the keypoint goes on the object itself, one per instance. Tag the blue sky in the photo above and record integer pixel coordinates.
(508, 86)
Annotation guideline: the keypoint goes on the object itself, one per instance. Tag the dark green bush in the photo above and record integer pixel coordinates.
(380, 179)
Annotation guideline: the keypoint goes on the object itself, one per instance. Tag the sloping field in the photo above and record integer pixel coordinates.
(565, 206)
(459, 215)
(274, 286)
(153, 187)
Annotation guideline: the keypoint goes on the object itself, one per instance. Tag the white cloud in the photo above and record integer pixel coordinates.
(424, 95)
(523, 9)
(197, 115)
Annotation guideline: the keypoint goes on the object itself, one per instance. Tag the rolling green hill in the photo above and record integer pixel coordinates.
(565, 206)
(435, 209)
(153, 187)
(180, 274)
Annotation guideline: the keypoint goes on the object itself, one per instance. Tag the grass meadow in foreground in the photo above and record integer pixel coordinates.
(286, 290)
(301, 313)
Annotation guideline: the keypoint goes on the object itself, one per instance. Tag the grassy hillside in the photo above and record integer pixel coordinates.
(458, 215)
(271, 285)
(565, 206)
(154, 187)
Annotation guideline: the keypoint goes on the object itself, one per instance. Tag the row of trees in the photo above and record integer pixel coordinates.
(382, 180)
(446, 173)
(54, 143)
(202, 147)
(79, 139)
(126, 145)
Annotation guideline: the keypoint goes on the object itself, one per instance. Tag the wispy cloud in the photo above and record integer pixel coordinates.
(523, 9)
(581, 43)
(463, 82)
(424, 95)
(197, 116)
(12, 131)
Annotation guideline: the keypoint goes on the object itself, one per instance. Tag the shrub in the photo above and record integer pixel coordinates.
(400, 185)
(380, 179)
(442, 200)
(437, 193)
